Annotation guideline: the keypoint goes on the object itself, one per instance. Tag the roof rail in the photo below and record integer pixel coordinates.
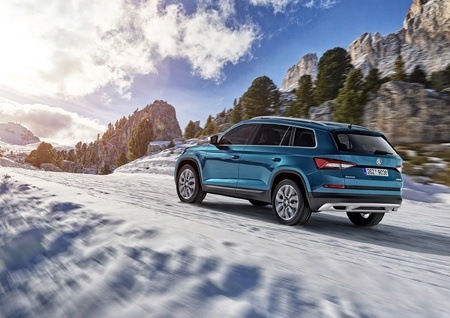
(291, 118)
(343, 125)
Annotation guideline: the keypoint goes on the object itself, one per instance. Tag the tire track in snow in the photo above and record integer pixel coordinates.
(223, 214)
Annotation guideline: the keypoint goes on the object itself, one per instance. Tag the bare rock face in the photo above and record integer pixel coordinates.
(408, 113)
(306, 66)
(323, 112)
(162, 117)
(424, 40)
(376, 51)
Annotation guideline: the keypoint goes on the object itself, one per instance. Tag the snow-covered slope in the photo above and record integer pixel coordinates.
(162, 162)
(123, 245)
(16, 134)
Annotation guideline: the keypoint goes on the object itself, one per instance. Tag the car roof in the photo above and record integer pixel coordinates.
(307, 123)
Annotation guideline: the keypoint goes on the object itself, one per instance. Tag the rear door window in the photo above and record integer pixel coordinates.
(271, 135)
(363, 144)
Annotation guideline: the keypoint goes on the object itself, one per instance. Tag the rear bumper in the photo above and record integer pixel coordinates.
(354, 203)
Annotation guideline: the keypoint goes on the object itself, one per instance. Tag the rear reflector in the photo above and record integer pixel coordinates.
(324, 163)
(334, 186)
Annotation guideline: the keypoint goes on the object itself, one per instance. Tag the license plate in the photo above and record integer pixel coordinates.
(376, 172)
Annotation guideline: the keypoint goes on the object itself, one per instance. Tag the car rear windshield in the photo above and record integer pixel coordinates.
(363, 144)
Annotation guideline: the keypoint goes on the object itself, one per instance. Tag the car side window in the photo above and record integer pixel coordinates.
(238, 135)
(287, 137)
(270, 135)
(304, 138)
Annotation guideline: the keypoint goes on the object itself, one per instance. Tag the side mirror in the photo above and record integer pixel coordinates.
(214, 140)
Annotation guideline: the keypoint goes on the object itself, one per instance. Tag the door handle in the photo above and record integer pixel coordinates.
(276, 159)
(235, 157)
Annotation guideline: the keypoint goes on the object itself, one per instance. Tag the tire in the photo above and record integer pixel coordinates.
(258, 203)
(189, 188)
(365, 219)
(289, 204)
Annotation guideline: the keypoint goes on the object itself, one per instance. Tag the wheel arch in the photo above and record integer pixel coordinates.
(293, 175)
(191, 161)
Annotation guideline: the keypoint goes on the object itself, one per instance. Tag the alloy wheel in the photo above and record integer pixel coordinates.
(286, 202)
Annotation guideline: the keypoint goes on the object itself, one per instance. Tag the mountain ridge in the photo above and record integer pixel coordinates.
(16, 134)
(423, 40)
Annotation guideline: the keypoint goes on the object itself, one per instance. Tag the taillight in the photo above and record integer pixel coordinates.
(399, 168)
(324, 163)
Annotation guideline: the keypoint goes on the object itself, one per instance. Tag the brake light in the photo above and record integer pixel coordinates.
(324, 163)
(399, 168)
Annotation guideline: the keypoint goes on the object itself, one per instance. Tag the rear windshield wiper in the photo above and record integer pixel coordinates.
(381, 152)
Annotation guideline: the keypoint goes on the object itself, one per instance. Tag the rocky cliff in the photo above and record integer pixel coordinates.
(424, 40)
(160, 114)
(306, 66)
(404, 112)
(408, 113)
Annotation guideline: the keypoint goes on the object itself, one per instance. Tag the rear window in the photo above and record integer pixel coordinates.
(363, 144)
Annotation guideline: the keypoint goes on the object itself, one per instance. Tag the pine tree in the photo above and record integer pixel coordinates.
(304, 98)
(142, 135)
(189, 131)
(236, 113)
(440, 80)
(333, 68)
(262, 98)
(106, 169)
(210, 127)
(399, 70)
(71, 155)
(373, 81)
(121, 159)
(418, 76)
(43, 154)
(351, 99)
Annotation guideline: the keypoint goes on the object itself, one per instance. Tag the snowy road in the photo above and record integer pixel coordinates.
(123, 245)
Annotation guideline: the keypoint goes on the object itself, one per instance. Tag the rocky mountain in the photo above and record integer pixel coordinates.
(404, 112)
(306, 66)
(16, 134)
(162, 117)
(423, 40)
(408, 113)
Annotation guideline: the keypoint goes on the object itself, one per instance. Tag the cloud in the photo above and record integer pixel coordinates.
(52, 123)
(66, 49)
(280, 5)
(321, 4)
(63, 48)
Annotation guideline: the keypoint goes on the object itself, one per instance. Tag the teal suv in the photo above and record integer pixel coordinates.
(299, 167)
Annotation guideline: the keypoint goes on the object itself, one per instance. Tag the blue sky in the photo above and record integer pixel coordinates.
(85, 65)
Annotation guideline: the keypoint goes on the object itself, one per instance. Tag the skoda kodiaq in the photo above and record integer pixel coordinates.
(298, 166)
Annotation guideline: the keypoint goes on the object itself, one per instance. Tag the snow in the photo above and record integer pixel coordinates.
(7, 148)
(123, 245)
(162, 162)
(6, 162)
(16, 134)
